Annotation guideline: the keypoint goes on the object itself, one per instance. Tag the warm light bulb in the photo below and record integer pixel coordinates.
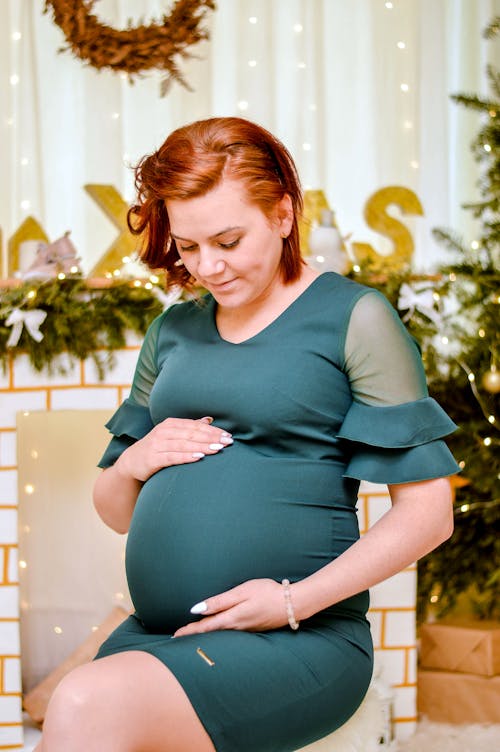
(461, 464)
(126, 260)
(58, 630)
(356, 268)
(148, 286)
(471, 377)
(464, 508)
(154, 279)
(436, 296)
(491, 418)
(482, 333)
(434, 598)
(116, 273)
(405, 87)
(29, 488)
(61, 275)
(243, 104)
(137, 283)
(452, 277)
(444, 340)
(16, 36)
(474, 245)
(487, 147)
(74, 269)
(487, 441)
(31, 295)
(401, 45)
(22, 564)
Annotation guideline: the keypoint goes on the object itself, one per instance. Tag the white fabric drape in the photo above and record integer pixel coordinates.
(324, 75)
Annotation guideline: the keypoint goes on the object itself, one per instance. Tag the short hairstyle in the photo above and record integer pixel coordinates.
(192, 161)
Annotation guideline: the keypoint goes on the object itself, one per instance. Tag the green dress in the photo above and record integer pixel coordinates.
(329, 393)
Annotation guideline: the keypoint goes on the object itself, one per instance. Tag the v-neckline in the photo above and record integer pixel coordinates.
(272, 323)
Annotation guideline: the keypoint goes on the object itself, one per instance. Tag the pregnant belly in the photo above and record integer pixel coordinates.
(203, 528)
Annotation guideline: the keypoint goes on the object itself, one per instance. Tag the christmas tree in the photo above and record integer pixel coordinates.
(463, 366)
(454, 317)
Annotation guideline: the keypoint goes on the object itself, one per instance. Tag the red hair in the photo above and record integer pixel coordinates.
(192, 161)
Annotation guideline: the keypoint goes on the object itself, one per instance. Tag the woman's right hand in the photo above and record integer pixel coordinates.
(174, 441)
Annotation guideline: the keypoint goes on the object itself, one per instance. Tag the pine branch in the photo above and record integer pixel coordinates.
(492, 29)
(477, 103)
(452, 240)
(494, 79)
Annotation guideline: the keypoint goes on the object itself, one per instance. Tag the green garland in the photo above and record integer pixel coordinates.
(81, 321)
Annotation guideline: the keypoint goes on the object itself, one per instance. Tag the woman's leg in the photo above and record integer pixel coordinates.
(127, 702)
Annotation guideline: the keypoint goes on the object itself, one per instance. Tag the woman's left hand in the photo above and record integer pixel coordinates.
(253, 606)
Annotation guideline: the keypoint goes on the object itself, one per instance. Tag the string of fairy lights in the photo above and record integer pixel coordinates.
(243, 104)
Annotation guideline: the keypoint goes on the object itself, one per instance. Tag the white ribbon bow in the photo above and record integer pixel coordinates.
(418, 300)
(32, 320)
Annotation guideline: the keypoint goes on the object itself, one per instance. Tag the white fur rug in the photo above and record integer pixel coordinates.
(430, 737)
(441, 737)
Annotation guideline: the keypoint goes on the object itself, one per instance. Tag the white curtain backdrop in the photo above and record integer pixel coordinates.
(324, 75)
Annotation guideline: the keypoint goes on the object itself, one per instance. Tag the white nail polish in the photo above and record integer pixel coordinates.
(197, 455)
(199, 608)
(226, 440)
(216, 446)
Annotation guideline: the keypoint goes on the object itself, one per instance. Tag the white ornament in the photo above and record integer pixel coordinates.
(32, 320)
(418, 299)
(327, 246)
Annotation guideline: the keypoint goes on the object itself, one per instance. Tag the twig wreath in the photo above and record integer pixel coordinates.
(137, 48)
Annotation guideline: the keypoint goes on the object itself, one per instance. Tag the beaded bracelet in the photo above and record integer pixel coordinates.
(290, 613)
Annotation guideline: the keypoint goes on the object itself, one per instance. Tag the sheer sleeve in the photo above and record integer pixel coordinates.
(132, 420)
(393, 427)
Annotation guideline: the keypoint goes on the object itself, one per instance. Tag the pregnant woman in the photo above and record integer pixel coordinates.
(235, 464)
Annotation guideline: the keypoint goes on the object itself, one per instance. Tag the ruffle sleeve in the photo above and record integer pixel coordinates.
(398, 443)
(128, 424)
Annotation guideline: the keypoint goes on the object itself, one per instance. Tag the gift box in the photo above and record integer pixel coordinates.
(449, 697)
(472, 647)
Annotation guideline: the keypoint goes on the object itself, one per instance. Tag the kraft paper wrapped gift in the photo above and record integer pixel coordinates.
(472, 647)
(448, 697)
